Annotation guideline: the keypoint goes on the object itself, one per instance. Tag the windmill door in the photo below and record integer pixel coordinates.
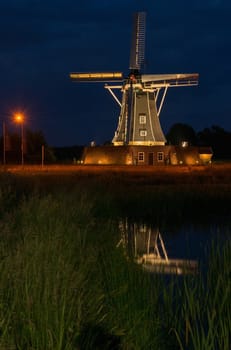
(150, 158)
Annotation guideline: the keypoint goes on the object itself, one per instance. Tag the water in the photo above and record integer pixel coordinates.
(173, 248)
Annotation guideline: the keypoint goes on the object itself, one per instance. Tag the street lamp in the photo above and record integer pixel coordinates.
(19, 119)
(4, 142)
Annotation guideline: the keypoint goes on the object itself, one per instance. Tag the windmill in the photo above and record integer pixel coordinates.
(143, 95)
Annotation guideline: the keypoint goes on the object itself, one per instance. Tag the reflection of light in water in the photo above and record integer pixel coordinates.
(146, 246)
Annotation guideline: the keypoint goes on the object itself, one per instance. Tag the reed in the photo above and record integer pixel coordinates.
(45, 289)
(204, 318)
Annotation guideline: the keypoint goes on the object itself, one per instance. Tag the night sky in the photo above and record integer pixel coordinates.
(42, 41)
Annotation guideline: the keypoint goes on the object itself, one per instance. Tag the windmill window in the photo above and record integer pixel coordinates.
(141, 156)
(160, 156)
(142, 118)
(143, 132)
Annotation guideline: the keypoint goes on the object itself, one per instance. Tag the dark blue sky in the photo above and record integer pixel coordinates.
(41, 41)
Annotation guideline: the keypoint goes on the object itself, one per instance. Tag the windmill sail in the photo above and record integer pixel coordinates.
(162, 80)
(138, 41)
(97, 76)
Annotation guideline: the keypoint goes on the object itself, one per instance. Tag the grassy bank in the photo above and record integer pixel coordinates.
(65, 284)
(210, 174)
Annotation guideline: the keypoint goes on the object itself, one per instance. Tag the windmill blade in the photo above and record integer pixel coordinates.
(138, 41)
(96, 77)
(171, 79)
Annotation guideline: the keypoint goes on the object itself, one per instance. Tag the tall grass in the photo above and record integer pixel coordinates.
(204, 317)
(66, 285)
(45, 273)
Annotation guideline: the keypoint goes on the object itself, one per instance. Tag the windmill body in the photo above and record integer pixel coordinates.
(139, 123)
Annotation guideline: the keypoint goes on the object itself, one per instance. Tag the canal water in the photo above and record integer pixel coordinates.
(173, 248)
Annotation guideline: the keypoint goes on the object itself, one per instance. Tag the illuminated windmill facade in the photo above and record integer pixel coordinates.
(143, 95)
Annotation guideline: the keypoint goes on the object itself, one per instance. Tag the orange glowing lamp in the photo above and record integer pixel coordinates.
(19, 118)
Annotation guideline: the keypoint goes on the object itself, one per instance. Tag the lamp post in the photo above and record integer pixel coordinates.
(19, 118)
(4, 142)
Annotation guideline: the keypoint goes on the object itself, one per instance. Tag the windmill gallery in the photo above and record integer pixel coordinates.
(139, 138)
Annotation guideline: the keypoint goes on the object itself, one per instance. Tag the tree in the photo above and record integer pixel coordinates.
(34, 141)
(32, 145)
(181, 132)
(217, 138)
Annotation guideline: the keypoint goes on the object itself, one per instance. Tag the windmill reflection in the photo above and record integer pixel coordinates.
(145, 245)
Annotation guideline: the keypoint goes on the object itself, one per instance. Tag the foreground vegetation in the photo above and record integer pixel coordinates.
(66, 285)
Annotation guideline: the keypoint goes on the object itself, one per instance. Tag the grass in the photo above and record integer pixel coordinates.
(65, 284)
(205, 309)
(46, 269)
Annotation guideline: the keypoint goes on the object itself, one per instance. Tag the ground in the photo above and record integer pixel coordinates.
(210, 174)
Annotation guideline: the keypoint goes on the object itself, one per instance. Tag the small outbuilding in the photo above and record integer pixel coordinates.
(147, 155)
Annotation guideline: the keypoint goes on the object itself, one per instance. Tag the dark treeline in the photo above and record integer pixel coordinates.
(215, 137)
(35, 149)
(34, 143)
(67, 154)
